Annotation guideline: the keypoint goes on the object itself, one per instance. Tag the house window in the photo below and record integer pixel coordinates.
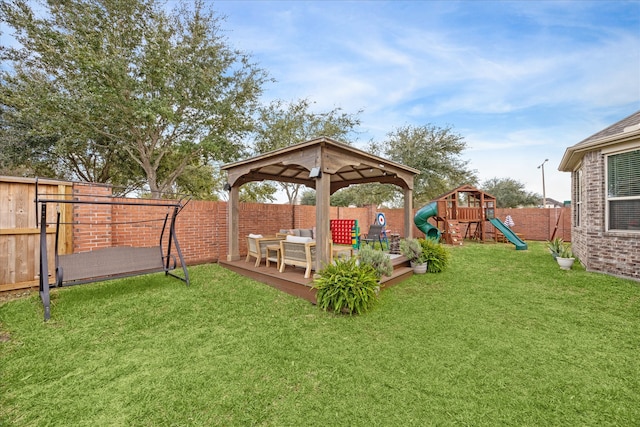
(623, 190)
(577, 197)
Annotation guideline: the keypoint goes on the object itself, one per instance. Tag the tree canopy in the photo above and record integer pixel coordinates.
(510, 193)
(123, 92)
(435, 152)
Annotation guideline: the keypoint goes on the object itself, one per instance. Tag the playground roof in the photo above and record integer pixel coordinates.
(464, 189)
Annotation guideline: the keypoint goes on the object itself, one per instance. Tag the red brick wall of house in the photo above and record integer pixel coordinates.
(611, 252)
(201, 226)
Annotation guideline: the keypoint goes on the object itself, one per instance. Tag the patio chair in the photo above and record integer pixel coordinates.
(374, 235)
(257, 246)
(298, 252)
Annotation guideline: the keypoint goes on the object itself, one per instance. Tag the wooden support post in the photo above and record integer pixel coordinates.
(408, 213)
(323, 232)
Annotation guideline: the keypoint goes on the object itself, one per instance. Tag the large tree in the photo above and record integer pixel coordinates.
(355, 195)
(282, 124)
(435, 152)
(510, 193)
(124, 89)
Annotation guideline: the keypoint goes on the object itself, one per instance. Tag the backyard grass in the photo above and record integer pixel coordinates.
(503, 337)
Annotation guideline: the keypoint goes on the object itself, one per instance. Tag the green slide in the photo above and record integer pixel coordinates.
(421, 220)
(509, 234)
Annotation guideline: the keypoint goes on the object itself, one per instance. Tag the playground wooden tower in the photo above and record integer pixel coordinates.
(461, 214)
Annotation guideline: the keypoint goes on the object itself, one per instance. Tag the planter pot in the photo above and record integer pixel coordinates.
(565, 263)
(419, 268)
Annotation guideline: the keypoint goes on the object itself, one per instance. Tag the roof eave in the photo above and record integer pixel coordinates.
(573, 155)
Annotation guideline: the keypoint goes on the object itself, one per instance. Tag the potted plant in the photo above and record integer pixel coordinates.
(555, 246)
(412, 249)
(565, 257)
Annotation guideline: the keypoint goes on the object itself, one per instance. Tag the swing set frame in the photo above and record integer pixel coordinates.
(110, 262)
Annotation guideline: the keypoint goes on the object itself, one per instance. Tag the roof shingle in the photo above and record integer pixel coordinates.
(614, 129)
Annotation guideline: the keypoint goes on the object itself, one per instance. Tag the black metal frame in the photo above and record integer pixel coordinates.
(174, 209)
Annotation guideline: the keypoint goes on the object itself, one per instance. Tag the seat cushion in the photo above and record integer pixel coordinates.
(299, 239)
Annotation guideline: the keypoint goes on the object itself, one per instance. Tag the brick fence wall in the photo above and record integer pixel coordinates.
(539, 224)
(201, 227)
(92, 227)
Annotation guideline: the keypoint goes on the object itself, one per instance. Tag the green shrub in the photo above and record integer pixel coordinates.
(375, 245)
(555, 246)
(377, 259)
(565, 251)
(435, 254)
(347, 286)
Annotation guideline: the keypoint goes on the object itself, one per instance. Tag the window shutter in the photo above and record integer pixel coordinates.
(623, 188)
(624, 174)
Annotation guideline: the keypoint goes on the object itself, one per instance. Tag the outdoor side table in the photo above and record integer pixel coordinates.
(276, 249)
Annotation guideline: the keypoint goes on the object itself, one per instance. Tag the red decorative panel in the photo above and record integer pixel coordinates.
(344, 231)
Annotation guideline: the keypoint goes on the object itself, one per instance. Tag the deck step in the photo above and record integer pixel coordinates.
(399, 274)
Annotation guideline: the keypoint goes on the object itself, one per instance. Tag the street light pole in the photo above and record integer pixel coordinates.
(544, 194)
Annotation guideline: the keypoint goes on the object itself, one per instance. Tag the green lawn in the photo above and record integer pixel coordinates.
(503, 337)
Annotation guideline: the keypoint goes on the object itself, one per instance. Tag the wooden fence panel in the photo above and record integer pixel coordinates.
(20, 235)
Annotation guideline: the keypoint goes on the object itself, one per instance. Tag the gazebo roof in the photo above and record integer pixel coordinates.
(344, 164)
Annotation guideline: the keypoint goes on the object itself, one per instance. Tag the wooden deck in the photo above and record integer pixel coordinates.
(292, 280)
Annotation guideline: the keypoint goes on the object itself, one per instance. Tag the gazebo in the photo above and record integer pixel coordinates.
(325, 165)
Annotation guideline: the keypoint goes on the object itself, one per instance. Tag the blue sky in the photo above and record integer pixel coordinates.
(520, 81)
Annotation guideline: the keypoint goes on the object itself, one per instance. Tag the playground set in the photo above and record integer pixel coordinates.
(461, 213)
(458, 214)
